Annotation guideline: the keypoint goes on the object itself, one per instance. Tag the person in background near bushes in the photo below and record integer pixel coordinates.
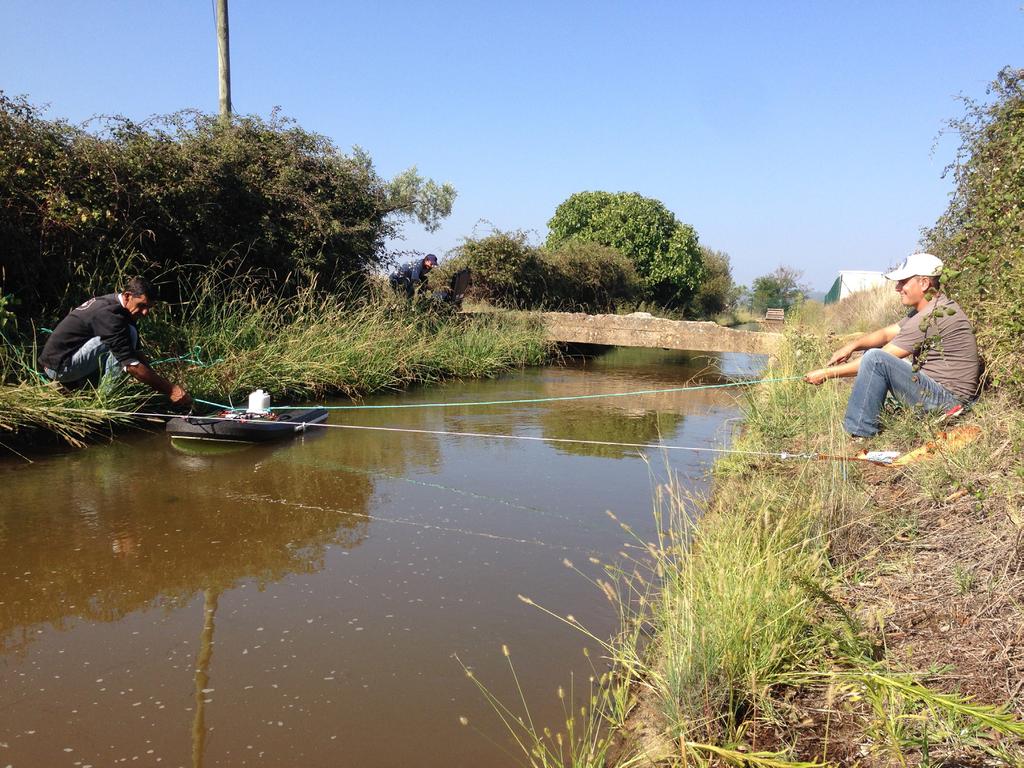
(99, 340)
(944, 367)
(412, 274)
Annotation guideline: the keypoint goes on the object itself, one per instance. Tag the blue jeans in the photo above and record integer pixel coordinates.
(881, 373)
(91, 358)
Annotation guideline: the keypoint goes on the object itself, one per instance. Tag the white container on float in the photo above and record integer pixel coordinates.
(259, 401)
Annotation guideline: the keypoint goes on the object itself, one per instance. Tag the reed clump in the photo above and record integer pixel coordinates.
(72, 417)
(225, 340)
(865, 310)
(313, 344)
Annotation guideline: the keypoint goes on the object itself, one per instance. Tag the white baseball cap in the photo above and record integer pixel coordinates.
(923, 264)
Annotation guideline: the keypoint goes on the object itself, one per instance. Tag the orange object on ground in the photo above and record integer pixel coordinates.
(951, 439)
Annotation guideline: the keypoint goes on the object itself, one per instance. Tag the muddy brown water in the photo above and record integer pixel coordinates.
(303, 604)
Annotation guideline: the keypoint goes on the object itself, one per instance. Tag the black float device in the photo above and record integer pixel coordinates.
(257, 424)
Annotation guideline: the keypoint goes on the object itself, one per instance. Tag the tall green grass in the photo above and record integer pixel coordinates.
(225, 341)
(27, 401)
(742, 581)
(737, 576)
(864, 311)
(313, 344)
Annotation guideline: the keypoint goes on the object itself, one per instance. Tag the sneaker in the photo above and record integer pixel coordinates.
(951, 415)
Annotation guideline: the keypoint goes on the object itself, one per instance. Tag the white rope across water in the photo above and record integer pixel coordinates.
(495, 436)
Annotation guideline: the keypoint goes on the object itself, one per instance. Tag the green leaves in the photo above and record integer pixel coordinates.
(409, 193)
(7, 317)
(576, 276)
(981, 235)
(182, 193)
(665, 252)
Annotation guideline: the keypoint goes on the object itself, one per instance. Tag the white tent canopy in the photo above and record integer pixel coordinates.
(852, 281)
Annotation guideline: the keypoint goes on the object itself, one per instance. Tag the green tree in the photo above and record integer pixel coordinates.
(717, 291)
(664, 250)
(410, 195)
(980, 237)
(781, 288)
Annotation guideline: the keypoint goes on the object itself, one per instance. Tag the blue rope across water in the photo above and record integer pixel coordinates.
(746, 382)
(221, 406)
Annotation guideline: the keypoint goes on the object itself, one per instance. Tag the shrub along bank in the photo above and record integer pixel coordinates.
(578, 276)
(981, 235)
(174, 196)
(184, 199)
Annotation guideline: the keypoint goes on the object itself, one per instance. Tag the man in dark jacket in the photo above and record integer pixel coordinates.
(100, 337)
(412, 274)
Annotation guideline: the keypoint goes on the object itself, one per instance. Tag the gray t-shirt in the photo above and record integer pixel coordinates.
(941, 342)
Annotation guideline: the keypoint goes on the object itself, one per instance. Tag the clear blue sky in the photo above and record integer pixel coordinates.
(798, 133)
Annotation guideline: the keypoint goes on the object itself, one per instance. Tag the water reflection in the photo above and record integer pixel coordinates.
(643, 419)
(98, 539)
(202, 679)
(410, 453)
(611, 425)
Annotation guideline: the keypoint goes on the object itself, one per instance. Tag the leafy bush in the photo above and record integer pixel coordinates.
(509, 272)
(664, 251)
(588, 277)
(717, 292)
(183, 192)
(981, 235)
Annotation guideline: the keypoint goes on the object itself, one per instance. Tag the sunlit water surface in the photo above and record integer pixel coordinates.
(304, 604)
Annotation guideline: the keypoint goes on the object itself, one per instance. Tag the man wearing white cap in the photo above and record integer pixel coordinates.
(943, 368)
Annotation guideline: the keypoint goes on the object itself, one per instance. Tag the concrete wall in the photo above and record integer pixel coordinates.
(642, 330)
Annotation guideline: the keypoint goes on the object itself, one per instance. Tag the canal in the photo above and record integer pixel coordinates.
(304, 603)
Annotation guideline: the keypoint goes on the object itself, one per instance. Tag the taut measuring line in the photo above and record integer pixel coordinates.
(744, 383)
(563, 440)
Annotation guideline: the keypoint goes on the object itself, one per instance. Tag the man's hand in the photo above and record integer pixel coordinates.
(842, 354)
(175, 393)
(179, 397)
(816, 377)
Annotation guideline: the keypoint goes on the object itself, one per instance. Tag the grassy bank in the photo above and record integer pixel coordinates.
(834, 612)
(221, 344)
(820, 611)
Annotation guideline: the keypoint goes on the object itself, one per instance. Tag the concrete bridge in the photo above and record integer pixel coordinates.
(643, 330)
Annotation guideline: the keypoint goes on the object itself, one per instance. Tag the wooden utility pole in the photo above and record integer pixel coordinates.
(223, 60)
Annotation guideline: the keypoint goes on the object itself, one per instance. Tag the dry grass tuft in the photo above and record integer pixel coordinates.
(859, 312)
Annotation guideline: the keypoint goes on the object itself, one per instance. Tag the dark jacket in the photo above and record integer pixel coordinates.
(102, 316)
(408, 277)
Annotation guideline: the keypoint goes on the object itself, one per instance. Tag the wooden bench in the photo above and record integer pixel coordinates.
(775, 315)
